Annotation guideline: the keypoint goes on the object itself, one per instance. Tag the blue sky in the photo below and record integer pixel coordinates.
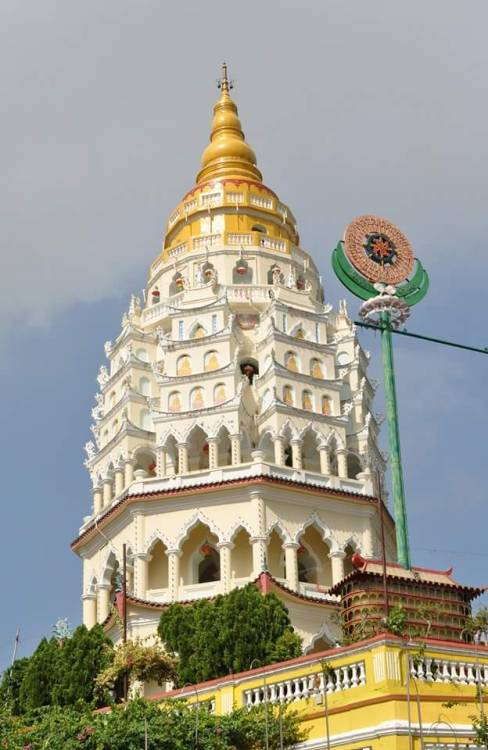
(352, 108)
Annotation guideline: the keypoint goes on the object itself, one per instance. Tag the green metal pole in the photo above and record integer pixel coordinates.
(400, 510)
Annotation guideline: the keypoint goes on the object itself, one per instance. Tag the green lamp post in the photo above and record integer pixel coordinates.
(376, 263)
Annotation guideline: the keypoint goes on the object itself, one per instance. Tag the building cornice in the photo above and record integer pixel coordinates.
(260, 480)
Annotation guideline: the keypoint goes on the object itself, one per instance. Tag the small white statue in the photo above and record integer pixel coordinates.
(90, 450)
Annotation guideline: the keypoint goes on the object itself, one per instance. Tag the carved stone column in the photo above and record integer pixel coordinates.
(182, 458)
(258, 554)
(89, 610)
(296, 454)
(129, 464)
(103, 596)
(161, 461)
(279, 450)
(324, 459)
(235, 448)
(97, 499)
(174, 573)
(225, 565)
(213, 452)
(119, 478)
(337, 560)
(367, 547)
(141, 561)
(291, 564)
(107, 489)
(342, 463)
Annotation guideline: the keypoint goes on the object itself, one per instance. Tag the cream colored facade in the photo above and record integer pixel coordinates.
(233, 428)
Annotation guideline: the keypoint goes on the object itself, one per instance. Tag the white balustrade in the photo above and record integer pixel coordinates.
(337, 679)
(190, 206)
(206, 240)
(272, 244)
(430, 669)
(174, 217)
(235, 197)
(239, 239)
(210, 199)
(256, 200)
(178, 250)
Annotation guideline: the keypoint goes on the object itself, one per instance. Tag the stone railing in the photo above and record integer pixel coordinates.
(336, 680)
(446, 670)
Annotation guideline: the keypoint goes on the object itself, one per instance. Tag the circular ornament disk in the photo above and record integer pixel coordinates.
(378, 250)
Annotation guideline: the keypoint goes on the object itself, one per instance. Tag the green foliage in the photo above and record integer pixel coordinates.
(81, 658)
(139, 662)
(170, 726)
(480, 726)
(215, 638)
(58, 672)
(10, 685)
(40, 676)
(396, 621)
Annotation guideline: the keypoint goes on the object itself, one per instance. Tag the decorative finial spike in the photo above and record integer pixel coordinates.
(224, 84)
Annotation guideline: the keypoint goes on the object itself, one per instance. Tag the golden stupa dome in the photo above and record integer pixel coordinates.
(228, 154)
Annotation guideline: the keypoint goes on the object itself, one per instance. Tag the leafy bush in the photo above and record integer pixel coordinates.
(228, 634)
(170, 726)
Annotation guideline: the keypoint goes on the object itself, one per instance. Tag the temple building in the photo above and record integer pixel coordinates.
(234, 430)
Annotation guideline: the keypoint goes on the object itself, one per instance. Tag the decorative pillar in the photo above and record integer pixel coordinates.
(213, 452)
(97, 499)
(141, 561)
(296, 454)
(367, 547)
(174, 573)
(103, 595)
(107, 489)
(161, 461)
(235, 448)
(324, 459)
(291, 564)
(258, 554)
(279, 450)
(89, 610)
(225, 565)
(342, 463)
(119, 478)
(129, 471)
(337, 560)
(182, 458)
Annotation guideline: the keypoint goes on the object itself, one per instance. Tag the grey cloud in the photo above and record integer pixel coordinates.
(352, 107)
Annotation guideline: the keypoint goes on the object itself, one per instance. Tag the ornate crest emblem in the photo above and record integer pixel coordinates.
(378, 250)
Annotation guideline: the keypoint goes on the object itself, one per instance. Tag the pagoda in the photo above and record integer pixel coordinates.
(234, 437)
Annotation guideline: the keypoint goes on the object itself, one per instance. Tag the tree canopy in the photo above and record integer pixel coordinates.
(59, 672)
(228, 634)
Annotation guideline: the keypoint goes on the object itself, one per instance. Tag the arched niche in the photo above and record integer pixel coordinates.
(200, 559)
(241, 555)
(157, 569)
(315, 566)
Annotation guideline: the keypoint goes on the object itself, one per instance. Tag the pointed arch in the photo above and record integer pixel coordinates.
(190, 524)
(281, 530)
(156, 536)
(110, 564)
(299, 332)
(326, 635)
(197, 331)
(239, 525)
(324, 530)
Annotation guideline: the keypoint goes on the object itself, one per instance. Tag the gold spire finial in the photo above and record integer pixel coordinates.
(224, 84)
(228, 154)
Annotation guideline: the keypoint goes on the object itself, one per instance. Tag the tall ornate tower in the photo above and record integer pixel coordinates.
(234, 431)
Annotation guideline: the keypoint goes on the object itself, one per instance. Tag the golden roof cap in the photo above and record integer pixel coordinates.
(228, 154)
